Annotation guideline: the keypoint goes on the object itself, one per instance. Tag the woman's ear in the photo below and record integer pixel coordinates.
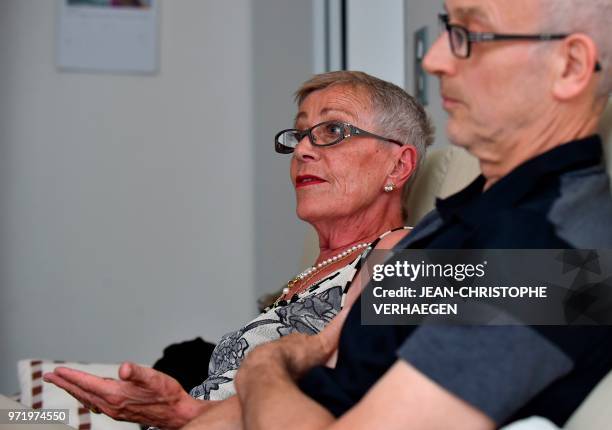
(574, 66)
(405, 166)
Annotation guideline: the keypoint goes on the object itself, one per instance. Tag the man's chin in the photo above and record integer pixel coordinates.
(457, 135)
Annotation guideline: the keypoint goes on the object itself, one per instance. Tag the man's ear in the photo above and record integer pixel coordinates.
(405, 166)
(575, 66)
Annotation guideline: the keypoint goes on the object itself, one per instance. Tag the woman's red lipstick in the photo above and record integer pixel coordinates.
(307, 180)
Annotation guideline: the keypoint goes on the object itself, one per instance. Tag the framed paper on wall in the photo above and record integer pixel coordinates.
(114, 36)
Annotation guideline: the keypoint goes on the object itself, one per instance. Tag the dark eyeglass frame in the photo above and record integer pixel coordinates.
(349, 131)
(480, 37)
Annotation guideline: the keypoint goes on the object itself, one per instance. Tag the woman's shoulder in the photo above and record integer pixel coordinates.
(386, 241)
(391, 238)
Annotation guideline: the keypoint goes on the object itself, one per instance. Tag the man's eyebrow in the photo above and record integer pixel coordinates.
(474, 12)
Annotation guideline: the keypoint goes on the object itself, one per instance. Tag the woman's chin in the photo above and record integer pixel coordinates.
(311, 214)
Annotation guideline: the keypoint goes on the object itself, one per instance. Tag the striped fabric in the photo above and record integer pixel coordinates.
(37, 394)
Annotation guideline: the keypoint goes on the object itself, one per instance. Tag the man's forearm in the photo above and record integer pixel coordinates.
(271, 400)
(188, 409)
(223, 415)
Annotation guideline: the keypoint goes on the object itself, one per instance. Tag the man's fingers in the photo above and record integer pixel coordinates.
(137, 374)
(53, 379)
(330, 335)
(125, 371)
(119, 399)
(73, 389)
(87, 399)
(88, 382)
(147, 378)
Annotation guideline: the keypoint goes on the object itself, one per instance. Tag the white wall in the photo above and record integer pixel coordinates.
(375, 38)
(126, 201)
(417, 14)
(283, 58)
(138, 211)
(381, 42)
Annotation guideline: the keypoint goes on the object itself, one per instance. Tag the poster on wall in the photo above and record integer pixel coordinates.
(112, 36)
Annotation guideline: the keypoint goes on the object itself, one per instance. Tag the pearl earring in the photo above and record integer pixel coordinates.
(389, 187)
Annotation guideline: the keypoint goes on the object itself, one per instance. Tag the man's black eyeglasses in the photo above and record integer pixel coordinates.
(461, 38)
(327, 133)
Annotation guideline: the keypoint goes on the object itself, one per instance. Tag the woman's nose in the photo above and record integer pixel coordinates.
(305, 150)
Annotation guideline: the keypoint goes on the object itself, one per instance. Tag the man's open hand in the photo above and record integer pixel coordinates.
(142, 395)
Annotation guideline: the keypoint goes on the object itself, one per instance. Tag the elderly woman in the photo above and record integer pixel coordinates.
(356, 142)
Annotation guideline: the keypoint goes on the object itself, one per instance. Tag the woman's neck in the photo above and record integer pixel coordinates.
(336, 236)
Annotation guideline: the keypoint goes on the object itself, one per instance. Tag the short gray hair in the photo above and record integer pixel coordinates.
(591, 17)
(396, 113)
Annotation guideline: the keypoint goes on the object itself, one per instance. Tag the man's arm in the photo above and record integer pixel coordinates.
(403, 398)
(268, 394)
(223, 415)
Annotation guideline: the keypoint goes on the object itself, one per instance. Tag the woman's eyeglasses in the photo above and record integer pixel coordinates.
(327, 133)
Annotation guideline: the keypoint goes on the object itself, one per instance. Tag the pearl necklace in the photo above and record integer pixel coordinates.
(312, 270)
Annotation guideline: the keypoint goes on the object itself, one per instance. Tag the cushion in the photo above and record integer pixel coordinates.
(183, 361)
(37, 394)
(444, 172)
(595, 412)
(532, 423)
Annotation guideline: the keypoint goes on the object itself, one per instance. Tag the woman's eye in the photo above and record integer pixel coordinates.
(335, 129)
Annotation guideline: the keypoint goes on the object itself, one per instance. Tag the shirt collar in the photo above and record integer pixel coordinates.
(472, 203)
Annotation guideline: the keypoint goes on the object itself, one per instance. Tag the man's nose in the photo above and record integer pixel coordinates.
(440, 59)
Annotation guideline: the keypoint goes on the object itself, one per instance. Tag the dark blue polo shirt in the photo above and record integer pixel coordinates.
(561, 199)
